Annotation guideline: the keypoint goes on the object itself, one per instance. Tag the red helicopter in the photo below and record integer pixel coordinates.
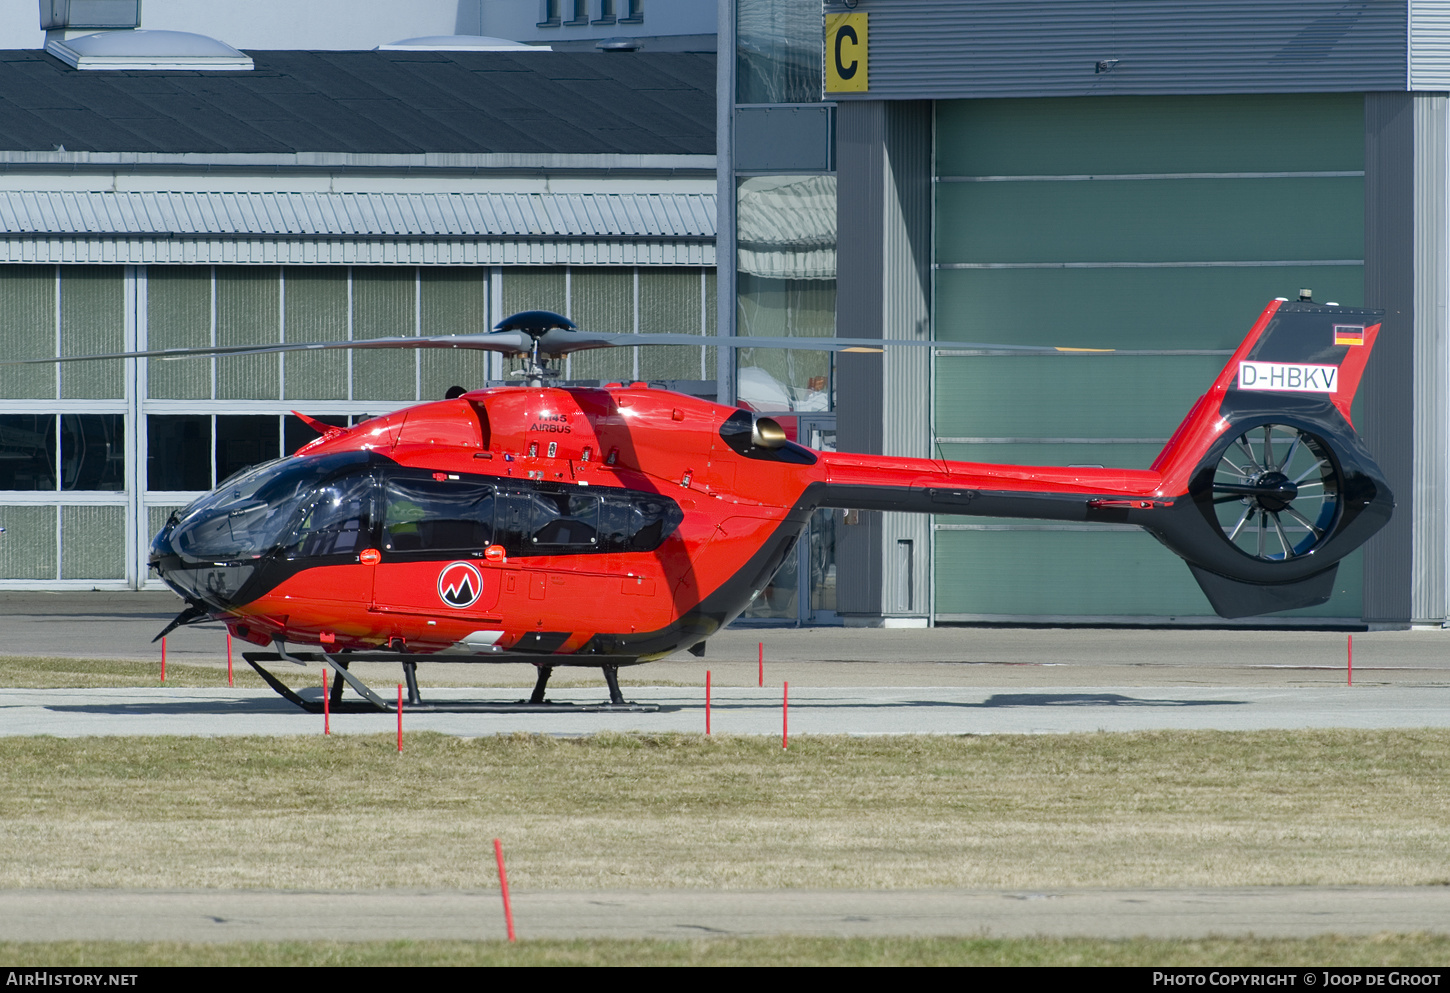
(610, 526)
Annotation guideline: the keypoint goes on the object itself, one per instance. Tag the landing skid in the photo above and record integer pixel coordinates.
(372, 703)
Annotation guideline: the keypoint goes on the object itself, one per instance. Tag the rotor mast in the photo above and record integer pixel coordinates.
(536, 324)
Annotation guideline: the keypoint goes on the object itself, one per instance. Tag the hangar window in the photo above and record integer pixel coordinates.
(27, 452)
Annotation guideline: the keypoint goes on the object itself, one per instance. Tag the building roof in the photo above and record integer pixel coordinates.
(359, 103)
(357, 228)
(438, 215)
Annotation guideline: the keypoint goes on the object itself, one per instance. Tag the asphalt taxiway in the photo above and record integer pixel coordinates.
(249, 915)
(860, 710)
(967, 680)
(122, 625)
(948, 680)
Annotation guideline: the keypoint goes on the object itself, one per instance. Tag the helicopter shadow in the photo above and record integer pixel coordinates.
(998, 701)
(264, 707)
(1004, 700)
(178, 708)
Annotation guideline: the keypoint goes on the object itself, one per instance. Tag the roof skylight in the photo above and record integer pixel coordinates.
(460, 43)
(142, 49)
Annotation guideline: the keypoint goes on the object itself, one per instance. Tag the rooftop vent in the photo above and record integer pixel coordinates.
(142, 49)
(619, 45)
(460, 43)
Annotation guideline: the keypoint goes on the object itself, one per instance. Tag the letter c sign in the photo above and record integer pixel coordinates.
(846, 53)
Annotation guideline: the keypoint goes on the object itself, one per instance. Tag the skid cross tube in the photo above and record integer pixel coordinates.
(373, 703)
(360, 687)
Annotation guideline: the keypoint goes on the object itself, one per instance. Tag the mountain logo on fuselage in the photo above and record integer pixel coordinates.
(460, 584)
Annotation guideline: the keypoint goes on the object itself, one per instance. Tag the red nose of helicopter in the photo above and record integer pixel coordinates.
(212, 551)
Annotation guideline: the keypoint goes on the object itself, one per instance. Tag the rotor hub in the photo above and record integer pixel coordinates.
(1273, 491)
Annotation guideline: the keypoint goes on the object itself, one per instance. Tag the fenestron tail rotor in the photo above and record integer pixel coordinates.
(1276, 492)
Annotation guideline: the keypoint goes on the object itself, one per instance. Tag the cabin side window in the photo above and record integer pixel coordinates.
(559, 521)
(564, 520)
(639, 522)
(426, 514)
(337, 520)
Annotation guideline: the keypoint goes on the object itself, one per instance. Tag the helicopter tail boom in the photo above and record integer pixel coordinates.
(1263, 488)
(1276, 485)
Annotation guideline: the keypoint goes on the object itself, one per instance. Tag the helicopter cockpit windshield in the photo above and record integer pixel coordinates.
(250, 514)
(210, 550)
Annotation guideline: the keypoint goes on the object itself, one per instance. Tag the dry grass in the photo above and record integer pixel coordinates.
(1329, 951)
(615, 811)
(27, 673)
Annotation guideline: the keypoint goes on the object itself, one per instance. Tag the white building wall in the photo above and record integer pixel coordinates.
(341, 25)
(518, 19)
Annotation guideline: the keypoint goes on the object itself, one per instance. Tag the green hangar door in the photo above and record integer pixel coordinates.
(1156, 226)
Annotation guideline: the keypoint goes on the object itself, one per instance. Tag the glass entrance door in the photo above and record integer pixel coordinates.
(803, 591)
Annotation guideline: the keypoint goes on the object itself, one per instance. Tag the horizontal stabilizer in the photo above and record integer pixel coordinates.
(1234, 598)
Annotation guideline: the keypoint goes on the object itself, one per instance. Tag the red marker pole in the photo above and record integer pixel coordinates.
(707, 701)
(326, 706)
(785, 716)
(503, 881)
(163, 660)
(400, 718)
(229, 659)
(1351, 660)
(762, 663)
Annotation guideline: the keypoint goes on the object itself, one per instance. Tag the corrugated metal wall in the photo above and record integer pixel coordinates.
(155, 228)
(1431, 505)
(906, 314)
(1388, 385)
(883, 159)
(941, 49)
(860, 165)
(395, 215)
(102, 250)
(1429, 37)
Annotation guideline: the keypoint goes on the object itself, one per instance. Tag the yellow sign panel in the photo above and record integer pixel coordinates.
(846, 53)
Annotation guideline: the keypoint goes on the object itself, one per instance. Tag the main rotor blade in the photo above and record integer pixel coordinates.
(510, 342)
(555, 343)
(818, 344)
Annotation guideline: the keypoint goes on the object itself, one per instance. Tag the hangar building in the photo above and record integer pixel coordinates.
(162, 190)
(1138, 174)
(1141, 175)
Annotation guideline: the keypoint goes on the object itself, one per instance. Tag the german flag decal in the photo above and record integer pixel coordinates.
(1348, 334)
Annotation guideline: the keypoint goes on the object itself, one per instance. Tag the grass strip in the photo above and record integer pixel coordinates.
(1196, 808)
(1328, 951)
(42, 673)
